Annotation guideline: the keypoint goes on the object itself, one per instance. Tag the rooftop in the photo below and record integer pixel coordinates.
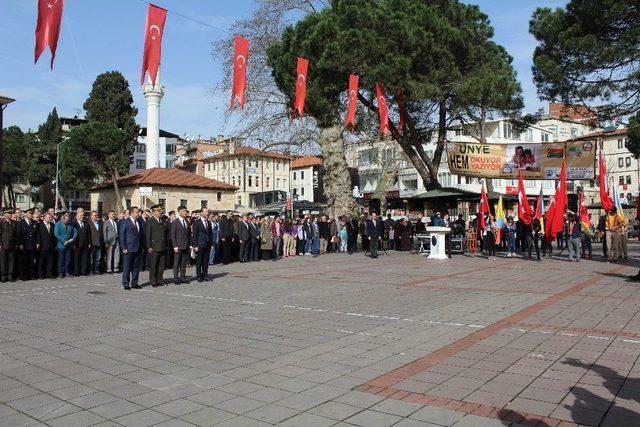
(306, 161)
(169, 178)
(601, 134)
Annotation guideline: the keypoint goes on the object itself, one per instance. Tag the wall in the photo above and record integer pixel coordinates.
(171, 195)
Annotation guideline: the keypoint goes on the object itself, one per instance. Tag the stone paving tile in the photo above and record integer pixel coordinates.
(370, 418)
(146, 417)
(319, 336)
(272, 413)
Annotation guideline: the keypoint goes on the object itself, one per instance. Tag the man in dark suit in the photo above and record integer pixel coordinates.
(96, 241)
(254, 232)
(181, 241)
(202, 244)
(27, 245)
(82, 245)
(8, 244)
(226, 237)
(47, 243)
(244, 238)
(169, 253)
(374, 233)
(131, 239)
(156, 241)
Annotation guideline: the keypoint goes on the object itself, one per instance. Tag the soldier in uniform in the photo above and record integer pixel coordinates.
(8, 245)
(156, 241)
(27, 244)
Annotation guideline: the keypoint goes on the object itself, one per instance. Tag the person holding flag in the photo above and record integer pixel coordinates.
(623, 238)
(500, 222)
(587, 227)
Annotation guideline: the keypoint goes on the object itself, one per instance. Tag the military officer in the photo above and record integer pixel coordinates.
(27, 244)
(8, 245)
(156, 242)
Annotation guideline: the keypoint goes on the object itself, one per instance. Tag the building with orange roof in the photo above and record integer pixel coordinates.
(306, 179)
(167, 187)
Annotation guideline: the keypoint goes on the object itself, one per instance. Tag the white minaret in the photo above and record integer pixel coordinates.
(154, 95)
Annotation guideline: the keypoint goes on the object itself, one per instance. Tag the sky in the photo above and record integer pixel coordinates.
(99, 36)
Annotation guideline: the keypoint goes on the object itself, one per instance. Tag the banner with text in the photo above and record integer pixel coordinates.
(536, 160)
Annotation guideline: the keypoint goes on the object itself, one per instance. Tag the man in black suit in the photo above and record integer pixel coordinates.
(96, 242)
(27, 244)
(374, 233)
(131, 238)
(156, 241)
(254, 232)
(226, 237)
(169, 253)
(8, 244)
(202, 244)
(82, 244)
(181, 241)
(244, 238)
(47, 243)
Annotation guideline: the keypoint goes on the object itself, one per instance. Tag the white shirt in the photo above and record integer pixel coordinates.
(135, 223)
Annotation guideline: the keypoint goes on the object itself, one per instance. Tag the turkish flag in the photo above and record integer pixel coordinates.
(240, 55)
(383, 109)
(554, 219)
(524, 210)
(353, 99)
(301, 86)
(484, 208)
(48, 27)
(153, 42)
(605, 197)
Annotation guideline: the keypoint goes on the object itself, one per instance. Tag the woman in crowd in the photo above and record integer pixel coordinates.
(511, 236)
(293, 232)
(490, 238)
(302, 237)
(266, 241)
(405, 232)
(286, 237)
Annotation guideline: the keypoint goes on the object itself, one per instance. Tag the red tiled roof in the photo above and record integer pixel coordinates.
(306, 161)
(573, 112)
(250, 151)
(601, 134)
(170, 178)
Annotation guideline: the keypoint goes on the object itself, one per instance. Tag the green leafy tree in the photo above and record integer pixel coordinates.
(16, 144)
(633, 136)
(41, 159)
(110, 101)
(427, 50)
(589, 52)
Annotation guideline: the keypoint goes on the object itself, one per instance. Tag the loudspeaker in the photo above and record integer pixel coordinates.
(374, 206)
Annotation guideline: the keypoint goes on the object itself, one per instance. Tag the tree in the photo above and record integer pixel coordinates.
(82, 167)
(16, 144)
(426, 50)
(337, 181)
(589, 52)
(41, 159)
(110, 101)
(633, 136)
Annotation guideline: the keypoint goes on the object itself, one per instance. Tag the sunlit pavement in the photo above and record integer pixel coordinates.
(334, 340)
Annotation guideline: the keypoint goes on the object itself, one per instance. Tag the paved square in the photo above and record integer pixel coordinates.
(335, 340)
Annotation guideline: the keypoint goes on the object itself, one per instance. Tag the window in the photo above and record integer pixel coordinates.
(621, 180)
(21, 198)
(213, 166)
(234, 163)
(239, 200)
(301, 175)
(467, 180)
(171, 148)
(209, 167)
(267, 182)
(627, 161)
(163, 203)
(128, 203)
(277, 165)
(294, 176)
(218, 196)
(277, 182)
(239, 180)
(250, 180)
(529, 135)
(620, 143)
(507, 130)
(620, 162)
(233, 180)
(302, 191)
(203, 204)
(574, 132)
(141, 164)
(459, 179)
(628, 179)
(183, 202)
(224, 165)
(545, 137)
(295, 192)
(141, 148)
(257, 181)
(284, 183)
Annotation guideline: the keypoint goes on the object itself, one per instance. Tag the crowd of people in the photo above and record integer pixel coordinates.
(39, 245)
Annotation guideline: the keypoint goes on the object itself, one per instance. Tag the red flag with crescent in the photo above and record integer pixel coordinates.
(48, 27)
(353, 99)
(383, 109)
(605, 198)
(153, 42)
(524, 210)
(301, 86)
(484, 209)
(240, 55)
(554, 219)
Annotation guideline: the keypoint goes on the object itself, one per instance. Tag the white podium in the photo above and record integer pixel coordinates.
(438, 242)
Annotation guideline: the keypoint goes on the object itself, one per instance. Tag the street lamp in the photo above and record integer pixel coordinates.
(4, 101)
